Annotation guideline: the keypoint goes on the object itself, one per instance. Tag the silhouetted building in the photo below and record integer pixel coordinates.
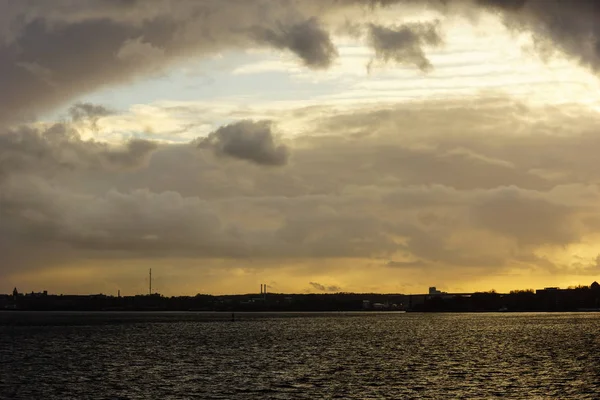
(433, 291)
(39, 294)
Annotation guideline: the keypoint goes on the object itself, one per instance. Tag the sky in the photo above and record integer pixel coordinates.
(312, 145)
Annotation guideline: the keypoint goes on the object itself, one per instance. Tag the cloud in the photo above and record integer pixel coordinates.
(46, 151)
(135, 153)
(323, 288)
(422, 183)
(80, 111)
(247, 140)
(569, 26)
(462, 189)
(403, 193)
(505, 4)
(403, 44)
(308, 40)
(53, 53)
(90, 113)
(50, 54)
(532, 220)
(137, 49)
(75, 57)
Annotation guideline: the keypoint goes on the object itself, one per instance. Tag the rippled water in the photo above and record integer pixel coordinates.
(346, 356)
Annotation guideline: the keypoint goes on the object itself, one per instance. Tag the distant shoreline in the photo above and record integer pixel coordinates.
(579, 299)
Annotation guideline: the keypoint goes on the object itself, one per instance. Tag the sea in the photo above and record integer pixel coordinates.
(364, 355)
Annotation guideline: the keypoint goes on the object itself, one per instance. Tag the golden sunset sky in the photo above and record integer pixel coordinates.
(313, 145)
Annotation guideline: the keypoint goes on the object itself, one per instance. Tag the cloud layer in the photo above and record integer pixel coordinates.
(52, 53)
(483, 189)
(412, 195)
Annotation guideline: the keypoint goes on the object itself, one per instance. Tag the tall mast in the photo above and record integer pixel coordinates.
(150, 288)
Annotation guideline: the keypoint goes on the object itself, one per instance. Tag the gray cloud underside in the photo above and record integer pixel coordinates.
(412, 188)
(51, 52)
(404, 44)
(247, 140)
(81, 111)
(307, 39)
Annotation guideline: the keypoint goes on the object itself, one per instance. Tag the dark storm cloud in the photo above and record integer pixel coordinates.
(308, 40)
(247, 140)
(404, 44)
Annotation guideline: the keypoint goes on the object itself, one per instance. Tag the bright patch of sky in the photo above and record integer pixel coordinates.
(195, 98)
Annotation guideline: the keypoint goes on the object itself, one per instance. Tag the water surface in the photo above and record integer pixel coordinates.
(299, 356)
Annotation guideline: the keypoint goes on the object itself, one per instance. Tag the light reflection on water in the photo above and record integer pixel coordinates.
(347, 356)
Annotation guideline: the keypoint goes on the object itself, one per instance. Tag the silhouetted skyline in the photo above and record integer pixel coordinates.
(581, 298)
